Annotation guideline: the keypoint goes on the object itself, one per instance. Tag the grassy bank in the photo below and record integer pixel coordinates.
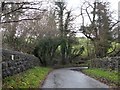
(31, 78)
(110, 78)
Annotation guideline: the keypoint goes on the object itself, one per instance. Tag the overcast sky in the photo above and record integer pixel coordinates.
(75, 5)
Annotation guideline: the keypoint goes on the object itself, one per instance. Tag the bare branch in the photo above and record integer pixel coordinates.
(67, 20)
(13, 11)
(82, 17)
(34, 8)
(84, 31)
(88, 14)
(14, 21)
(94, 12)
(21, 7)
(25, 3)
(90, 5)
(88, 36)
(113, 25)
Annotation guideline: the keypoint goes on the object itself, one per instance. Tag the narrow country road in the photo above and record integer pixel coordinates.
(66, 78)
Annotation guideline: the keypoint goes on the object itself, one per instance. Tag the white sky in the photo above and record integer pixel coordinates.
(75, 4)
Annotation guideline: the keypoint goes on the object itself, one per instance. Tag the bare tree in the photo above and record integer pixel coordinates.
(22, 25)
(100, 26)
(21, 7)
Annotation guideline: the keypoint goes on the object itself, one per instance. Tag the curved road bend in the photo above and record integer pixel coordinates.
(66, 78)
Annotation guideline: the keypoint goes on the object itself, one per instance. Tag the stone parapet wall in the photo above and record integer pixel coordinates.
(14, 62)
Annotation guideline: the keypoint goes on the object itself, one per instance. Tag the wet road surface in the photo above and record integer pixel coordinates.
(66, 78)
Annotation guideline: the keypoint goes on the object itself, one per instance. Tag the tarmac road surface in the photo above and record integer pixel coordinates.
(67, 78)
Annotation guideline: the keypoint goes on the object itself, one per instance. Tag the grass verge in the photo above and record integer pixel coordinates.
(108, 77)
(31, 78)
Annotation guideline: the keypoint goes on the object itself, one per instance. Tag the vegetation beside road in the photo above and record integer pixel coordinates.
(31, 78)
(108, 77)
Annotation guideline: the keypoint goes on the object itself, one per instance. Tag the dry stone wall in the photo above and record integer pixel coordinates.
(112, 63)
(14, 62)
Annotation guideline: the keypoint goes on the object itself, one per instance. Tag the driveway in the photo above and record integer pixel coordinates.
(67, 78)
